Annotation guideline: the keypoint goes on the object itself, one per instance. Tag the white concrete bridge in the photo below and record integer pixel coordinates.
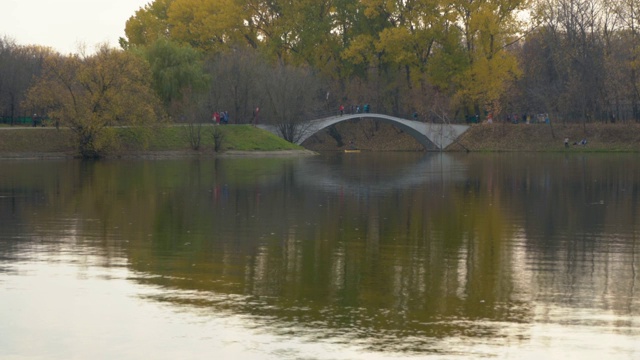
(428, 134)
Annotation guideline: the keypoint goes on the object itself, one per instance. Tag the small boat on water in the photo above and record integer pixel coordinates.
(352, 148)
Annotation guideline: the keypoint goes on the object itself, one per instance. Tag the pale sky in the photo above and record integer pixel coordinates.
(64, 24)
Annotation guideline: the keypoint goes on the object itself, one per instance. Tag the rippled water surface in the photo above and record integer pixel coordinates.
(340, 256)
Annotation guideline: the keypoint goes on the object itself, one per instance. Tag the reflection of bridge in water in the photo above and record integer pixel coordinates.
(430, 168)
(427, 134)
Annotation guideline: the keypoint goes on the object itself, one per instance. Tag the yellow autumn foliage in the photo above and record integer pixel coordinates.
(90, 95)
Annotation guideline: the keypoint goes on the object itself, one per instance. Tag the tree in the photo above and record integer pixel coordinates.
(415, 28)
(236, 82)
(175, 69)
(18, 67)
(205, 24)
(488, 28)
(629, 13)
(292, 94)
(149, 24)
(543, 80)
(577, 45)
(91, 95)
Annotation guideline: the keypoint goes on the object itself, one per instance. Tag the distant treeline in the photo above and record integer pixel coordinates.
(445, 60)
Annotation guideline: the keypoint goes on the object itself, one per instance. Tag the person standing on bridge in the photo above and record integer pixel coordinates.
(341, 109)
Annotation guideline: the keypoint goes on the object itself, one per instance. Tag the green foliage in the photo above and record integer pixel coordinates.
(175, 69)
(168, 138)
(41, 140)
(246, 138)
(456, 56)
(448, 62)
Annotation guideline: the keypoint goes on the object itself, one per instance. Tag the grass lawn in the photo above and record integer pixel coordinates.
(132, 140)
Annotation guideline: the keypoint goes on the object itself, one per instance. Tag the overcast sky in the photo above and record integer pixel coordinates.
(64, 24)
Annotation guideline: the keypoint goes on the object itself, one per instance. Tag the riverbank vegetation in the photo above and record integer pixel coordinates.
(281, 62)
(367, 135)
(370, 136)
(599, 137)
(176, 140)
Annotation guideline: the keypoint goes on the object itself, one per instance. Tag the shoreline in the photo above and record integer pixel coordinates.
(160, 154)
(50, 143)
(506, 137)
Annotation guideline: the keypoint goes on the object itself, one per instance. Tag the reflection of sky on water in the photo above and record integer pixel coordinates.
(67, 311)
(106, 316)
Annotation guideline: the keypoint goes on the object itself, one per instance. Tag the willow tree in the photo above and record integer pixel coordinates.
(175, 70)
(92, 95)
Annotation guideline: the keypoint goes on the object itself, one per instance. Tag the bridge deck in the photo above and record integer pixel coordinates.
(428, 134)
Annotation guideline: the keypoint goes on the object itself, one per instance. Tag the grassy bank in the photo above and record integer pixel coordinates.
(41, 142)
(46, 142)
(372, 136)
(32, 141)
(544, 137)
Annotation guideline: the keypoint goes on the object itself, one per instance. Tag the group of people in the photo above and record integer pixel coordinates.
(221, 117)
(511, 118)
(354, 109)
(528, 118)
(582, 142)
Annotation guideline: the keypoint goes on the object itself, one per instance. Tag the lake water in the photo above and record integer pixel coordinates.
(339, 256)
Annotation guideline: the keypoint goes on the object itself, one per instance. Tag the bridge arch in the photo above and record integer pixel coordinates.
(429, 135)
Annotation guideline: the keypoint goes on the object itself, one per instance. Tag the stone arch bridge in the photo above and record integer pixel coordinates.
(427, 134)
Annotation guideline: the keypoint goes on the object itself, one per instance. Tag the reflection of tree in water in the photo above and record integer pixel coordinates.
(453, 259)
(376, 267)
(574, 212)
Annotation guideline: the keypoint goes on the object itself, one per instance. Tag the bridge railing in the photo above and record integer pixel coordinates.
(325, 113)
(322, 113)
